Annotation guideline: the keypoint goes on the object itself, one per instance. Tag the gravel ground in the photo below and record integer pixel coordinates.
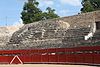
(43, 65)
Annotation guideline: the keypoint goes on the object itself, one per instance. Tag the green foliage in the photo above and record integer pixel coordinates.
(50, 14)
(87, 6)
(90, 5)
(32, 13)
(95, 4)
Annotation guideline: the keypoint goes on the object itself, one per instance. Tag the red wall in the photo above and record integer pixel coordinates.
(54, 55)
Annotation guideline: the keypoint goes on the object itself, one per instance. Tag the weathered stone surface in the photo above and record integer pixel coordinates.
(56, 33)
(5, 35)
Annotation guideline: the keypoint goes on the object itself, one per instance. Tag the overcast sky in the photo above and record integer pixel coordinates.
(10, 9)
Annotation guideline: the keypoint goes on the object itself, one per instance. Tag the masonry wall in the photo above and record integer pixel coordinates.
(54, 33)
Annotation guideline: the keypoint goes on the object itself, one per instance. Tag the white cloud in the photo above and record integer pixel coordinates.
(48, 2)
(43, 3)
(71, 2)
(64, 12)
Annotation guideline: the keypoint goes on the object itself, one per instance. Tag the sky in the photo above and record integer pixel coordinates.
(10, 9)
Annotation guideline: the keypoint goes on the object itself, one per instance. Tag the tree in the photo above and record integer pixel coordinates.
(32, 13)
(87, 6)
(50, 14)
(96, 4)
(90, 5)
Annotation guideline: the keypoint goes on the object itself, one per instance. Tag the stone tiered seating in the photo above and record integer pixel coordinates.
(4, 36)
(95, 40)
(52, 38)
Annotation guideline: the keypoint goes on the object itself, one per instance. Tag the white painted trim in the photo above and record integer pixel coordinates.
(17, 58)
